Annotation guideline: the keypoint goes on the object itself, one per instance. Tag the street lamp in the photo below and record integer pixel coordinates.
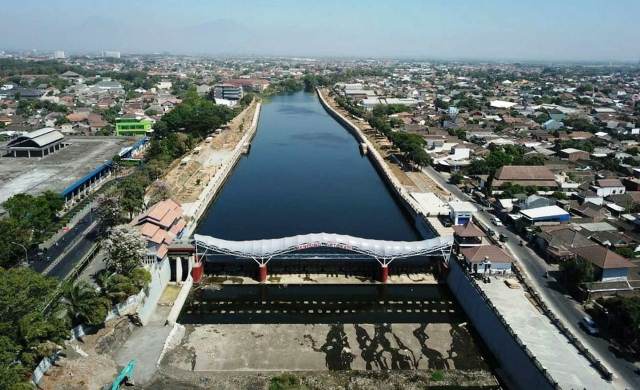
(26, 257)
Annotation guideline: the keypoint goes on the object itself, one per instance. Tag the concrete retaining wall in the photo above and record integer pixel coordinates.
(160, 275)
(221, 176)
(516, 361)
(403, 196)
(172, 318)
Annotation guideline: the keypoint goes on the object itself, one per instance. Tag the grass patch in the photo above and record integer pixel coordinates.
(437, 376)
(286, 382)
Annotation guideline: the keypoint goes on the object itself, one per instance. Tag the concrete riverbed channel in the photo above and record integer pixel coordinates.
(305, 173)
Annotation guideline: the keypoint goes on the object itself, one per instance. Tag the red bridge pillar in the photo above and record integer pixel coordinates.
(196, 271)
(384, 273)
(262, 273)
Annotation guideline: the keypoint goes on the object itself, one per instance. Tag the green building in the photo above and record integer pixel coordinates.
(133, 126)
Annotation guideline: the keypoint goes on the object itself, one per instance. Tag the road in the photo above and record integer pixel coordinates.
(61, 257)
(566, 308)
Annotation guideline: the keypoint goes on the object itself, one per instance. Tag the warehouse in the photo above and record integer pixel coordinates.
(546, 214)
(39, 143)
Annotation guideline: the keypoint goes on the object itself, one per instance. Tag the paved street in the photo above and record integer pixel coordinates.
(69, 248)
(566, 308)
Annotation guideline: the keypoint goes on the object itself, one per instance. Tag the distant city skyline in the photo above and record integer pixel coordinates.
(544, 30)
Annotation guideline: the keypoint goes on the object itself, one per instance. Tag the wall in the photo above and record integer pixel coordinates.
(221, 176)
(515, 362)
(160, 275)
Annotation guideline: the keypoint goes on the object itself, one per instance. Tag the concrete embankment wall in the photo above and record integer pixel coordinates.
(214, 186)
(403, 196)
(516, 361)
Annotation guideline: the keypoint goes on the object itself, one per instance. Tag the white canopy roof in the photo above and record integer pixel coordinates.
(375, 248)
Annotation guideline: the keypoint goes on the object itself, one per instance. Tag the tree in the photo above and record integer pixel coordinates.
(131, 194)
(624, 313)
(108, 211)
(84, 304)
(118, 288)
(456, 178)
(576, 272)
(125, 249)
(160, 191)
(27, 331)
(35, 213)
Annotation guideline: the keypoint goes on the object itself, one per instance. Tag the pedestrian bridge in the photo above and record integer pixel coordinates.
(383, 251)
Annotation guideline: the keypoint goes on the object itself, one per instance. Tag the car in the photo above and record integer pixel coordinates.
(589, 325)
(503, 238)
(496, 221)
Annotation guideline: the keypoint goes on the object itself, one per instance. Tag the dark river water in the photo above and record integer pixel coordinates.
(304, 174)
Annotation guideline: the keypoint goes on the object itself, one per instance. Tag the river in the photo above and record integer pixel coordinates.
(304, 174)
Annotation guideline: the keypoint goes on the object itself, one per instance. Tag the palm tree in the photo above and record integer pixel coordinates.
(84, 305)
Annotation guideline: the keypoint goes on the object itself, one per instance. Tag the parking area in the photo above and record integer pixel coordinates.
(57, 171)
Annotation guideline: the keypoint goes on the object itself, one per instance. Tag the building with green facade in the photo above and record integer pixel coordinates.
(133, 126)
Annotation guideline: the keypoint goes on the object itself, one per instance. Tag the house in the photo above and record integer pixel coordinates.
(468, 235)
(160, 225)
(609, 265)
(573, 154)
(552, 125)
(524, 175)
(487, 259)
(535, 201)
(558, 242)
(607, 187)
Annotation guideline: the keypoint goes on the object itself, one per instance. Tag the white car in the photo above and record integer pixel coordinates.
(589, 325)
(496, 221)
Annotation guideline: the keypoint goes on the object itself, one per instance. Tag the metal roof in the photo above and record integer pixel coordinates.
(41, 138)
(380, 249)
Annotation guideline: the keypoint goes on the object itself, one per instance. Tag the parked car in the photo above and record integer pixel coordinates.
(496, 221)
(589, 325)
(503, 238)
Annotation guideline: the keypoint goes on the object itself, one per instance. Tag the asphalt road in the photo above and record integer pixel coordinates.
(68, 250)
(562, 304)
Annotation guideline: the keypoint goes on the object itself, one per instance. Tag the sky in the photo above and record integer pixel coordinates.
(541, 30)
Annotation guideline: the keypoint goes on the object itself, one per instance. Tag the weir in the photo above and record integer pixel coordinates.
(383, 251)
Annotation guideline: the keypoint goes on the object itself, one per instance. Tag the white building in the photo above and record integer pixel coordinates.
(461, 212)
(606, 187)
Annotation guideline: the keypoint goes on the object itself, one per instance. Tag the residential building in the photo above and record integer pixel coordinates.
(559, 242)
(487, 259)
(524, 175)
(227, 91)
(609, 265)
(606, 187)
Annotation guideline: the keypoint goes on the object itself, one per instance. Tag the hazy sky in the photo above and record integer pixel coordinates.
(478, 29)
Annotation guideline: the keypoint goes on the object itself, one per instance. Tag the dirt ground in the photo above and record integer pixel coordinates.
(328, 380)
(186, 181)
(97, 368)
(311, 347)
